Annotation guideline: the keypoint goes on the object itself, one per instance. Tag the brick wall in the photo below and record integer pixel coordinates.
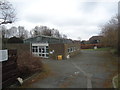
(58, 50)
(73, 53)
(62, 49)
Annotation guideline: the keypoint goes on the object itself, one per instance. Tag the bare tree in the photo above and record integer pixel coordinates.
(44, 30)
(35, 31)
(12, 31)
(7, 12)
(22, 33)
(64, 36)
(110, 33)
(56, 33)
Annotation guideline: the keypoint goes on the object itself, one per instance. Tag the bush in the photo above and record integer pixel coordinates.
(15, 40)
(29, 64)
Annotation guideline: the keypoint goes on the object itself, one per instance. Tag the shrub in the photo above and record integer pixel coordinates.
(29, 64)
(15, 40)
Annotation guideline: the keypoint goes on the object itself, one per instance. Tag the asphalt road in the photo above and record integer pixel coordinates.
(89, 69)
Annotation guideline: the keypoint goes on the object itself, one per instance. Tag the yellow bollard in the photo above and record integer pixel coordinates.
(59, 57)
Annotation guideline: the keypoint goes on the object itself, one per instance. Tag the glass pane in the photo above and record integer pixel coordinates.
(43, 55)
(33, 50)
(36, 50)
(43, 50)
(40, 54)
(47, 50)
(39, 49)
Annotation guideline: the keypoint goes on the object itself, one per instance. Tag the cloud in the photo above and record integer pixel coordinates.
(75, 18)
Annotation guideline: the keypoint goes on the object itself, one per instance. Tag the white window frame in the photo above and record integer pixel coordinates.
(41, 46)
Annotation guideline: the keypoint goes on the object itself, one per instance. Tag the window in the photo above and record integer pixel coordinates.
(40, 55)
(41, 51)
(47, 50)
(43, 55)
(68, 50)
(34, 49)
(71, 49)
(74, 49)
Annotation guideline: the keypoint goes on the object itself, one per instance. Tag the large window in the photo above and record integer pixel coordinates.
(41, 51)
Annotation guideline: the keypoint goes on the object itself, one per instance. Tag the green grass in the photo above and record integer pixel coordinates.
(103, 49)
(110, 50)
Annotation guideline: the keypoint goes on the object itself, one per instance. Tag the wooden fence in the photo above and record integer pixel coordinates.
(10, 70)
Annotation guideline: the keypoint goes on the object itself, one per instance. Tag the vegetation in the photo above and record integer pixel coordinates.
(22, 33)
(110, 34)
(28, 64)
(44, 30)
(7, 12)
(38, 76)
(15, 40)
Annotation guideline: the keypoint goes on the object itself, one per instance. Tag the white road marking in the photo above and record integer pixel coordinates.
(88, 75)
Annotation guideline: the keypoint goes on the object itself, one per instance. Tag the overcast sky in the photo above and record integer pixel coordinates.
(75, 18)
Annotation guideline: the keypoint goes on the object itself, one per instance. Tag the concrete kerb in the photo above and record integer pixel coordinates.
(113, 81)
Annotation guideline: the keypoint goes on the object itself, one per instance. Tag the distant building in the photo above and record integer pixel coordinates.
(92, 42)
(51, 47)
(95, 39)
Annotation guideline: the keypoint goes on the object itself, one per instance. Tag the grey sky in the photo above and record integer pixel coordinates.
(75, 18)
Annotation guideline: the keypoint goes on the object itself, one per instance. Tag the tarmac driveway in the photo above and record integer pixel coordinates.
(89, 69)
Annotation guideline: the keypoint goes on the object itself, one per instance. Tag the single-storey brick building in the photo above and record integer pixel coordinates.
(51, 47)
